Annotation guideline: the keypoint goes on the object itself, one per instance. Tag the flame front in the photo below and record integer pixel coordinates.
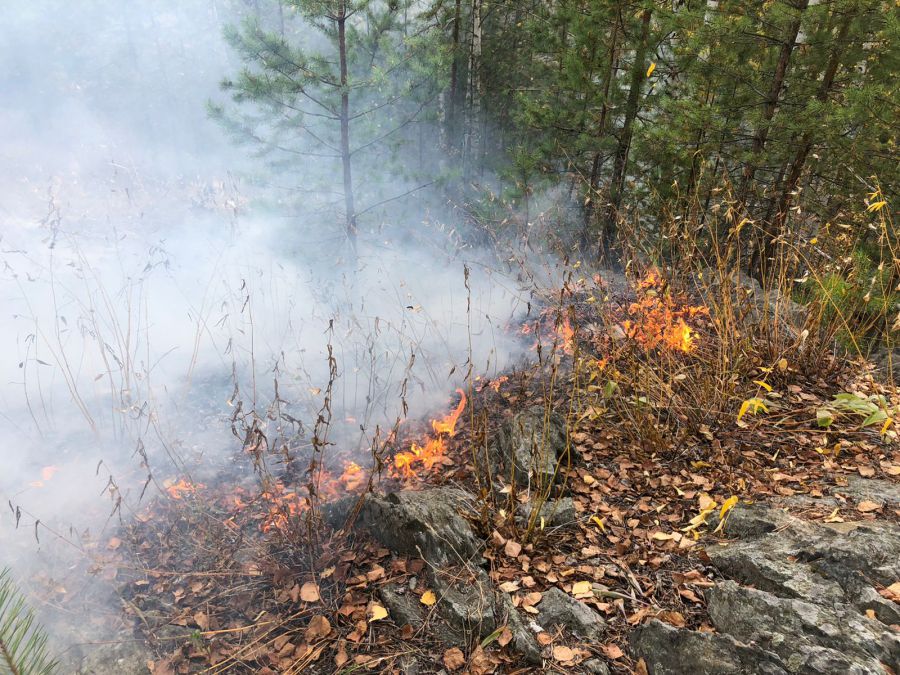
(428, 454)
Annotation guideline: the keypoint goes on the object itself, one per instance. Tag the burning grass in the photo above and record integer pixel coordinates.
(651, 396)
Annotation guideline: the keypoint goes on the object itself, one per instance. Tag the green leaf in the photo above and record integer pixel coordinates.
(824, 417)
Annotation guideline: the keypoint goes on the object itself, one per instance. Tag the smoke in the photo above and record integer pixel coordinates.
(145, 293)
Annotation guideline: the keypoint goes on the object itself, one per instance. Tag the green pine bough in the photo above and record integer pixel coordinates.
(23, 642)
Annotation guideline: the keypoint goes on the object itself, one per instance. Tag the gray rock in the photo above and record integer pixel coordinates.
(595, 667)
(556, 512)
(472, 609)
(528, 447)
(751, 520)
(671, 651)
(828, 563)
(802, 632)
(871, 489)
(561, 609)
(755, 305)
(423, 523)
(523, 642)
(404, 607)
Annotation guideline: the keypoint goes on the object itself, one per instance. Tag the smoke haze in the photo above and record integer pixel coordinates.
(141, 280)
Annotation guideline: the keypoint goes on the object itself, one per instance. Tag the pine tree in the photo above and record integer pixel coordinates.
(334, 96)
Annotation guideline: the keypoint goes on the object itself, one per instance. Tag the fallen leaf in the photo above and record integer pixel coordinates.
(202, 620)
(341, 657)
(377, 612)
(612, 651)
(512, 548)
(309, 592)
(562, 653)
(454, 659)
(428, 598)
(728, 505)
(866, 506)
(580, 588)
(505, 637)
(318, 627)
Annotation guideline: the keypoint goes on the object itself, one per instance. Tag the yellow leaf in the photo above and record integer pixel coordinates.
(887, 423)
(428, 598)
(877, 206)
(599, 522)
(582, 588)
(728, 505)
(651, 69)
(753, 406)
(377, 612)
(764, 385)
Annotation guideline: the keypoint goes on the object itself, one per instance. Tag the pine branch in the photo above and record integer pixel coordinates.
(23, 642)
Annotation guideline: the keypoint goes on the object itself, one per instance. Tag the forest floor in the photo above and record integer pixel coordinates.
(557, 531)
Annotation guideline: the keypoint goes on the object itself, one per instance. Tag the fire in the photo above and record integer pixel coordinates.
(550, 328)
(179, 489)
(658, 321)
(447, 425)
(566, 335)
(434, 448)
(353, 476)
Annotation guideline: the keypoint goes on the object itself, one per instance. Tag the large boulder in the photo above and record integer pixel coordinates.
(753, 304)
(800, 631)
(426, 524)
(528, 447)
(792, 558)
(472, 609)
(667, 650)
(561, 609)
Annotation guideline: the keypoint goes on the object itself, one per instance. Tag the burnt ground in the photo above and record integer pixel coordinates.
(622, 570)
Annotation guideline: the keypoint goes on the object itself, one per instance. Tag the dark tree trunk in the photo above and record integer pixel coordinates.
(620, 162)
(349, 208)
(594, 182)
(773, 97)
(806, 143)
(453, 97)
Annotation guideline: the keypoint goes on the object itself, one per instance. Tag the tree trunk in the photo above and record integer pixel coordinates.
(452, 128)
(620, 163)
(594, 183)
(349, 208)
(805, 145)
(772, 99)
(474, 121)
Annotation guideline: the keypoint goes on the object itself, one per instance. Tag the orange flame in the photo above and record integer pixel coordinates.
(657, 320)
(566, 335)
(434, 448)
(181, 488)
(447, 425)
